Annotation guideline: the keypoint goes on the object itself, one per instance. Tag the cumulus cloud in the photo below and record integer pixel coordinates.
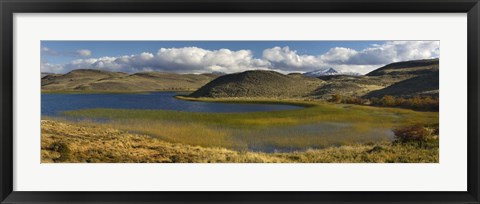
(347, 58)
(180, 60)
(393, 51)
(284, 59)
(52, 68)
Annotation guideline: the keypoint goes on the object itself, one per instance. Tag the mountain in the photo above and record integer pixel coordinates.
(321, 72)
(419, 78)
(414, 67)
(104, 81)
(402, 79)
(259, 84)
(422, 85)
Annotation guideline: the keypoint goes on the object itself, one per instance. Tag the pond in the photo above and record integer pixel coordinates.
(53, 104)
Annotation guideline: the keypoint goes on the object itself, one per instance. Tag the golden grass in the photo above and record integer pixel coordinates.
(69, 142)
(274, 130)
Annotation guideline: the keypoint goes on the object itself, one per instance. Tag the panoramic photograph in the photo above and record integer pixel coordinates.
(239, 101)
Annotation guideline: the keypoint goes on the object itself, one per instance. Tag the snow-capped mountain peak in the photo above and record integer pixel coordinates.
(322, 72)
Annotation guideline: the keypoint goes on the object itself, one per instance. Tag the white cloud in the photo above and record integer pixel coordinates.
(46, 50)
(395, 51)
(286, 59)
(181, 60)
(83, 52)
(198, 60)
(350, 60)
(77, 53)
(52, 68)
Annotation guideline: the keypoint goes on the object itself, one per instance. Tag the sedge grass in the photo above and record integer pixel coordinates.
(73, 142)
(265, 131)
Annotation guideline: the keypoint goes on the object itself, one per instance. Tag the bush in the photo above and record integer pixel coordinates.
(388, 101)
(355, 100)
(416, 133)
(63, 149)
(416, 103)
(336, 98)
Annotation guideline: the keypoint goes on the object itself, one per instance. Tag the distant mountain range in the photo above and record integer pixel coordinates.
(405, 79)
(91, 80)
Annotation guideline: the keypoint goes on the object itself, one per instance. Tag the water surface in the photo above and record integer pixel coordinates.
(53, 104)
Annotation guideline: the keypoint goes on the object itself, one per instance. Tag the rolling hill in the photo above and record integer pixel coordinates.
(414, 67)
(401, 79)
(259, 84)
(89, 80)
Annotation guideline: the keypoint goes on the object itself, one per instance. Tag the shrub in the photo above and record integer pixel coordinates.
(388, 101)
(355, 100)
(416, 133)
(336, 98)
(63, 149)
(416, 103)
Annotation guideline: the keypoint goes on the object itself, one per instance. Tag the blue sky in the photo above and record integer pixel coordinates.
(229, 56)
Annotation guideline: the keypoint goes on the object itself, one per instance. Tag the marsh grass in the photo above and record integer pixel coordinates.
(319, 125)
(74, 142)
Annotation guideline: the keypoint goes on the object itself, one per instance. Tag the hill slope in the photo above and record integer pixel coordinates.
(423, 85)
(422, 78)
(402, 79)
(99, 81)
(259, 84)
(414, 67)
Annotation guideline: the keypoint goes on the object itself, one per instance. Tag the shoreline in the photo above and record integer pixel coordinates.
(293, 102)
(113, 92)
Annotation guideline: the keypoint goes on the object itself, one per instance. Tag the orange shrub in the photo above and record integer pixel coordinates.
(415, 133)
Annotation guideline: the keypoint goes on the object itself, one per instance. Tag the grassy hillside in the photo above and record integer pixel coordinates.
(89, 80)
(414, 67)
(401, 79)
(264, 84)
(422, 85)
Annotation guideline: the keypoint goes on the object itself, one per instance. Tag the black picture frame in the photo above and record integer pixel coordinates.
(9, 7)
